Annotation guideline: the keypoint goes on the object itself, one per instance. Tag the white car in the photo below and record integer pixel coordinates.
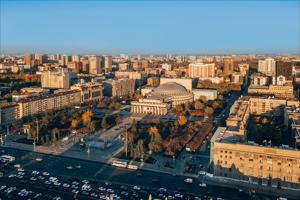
(46, 173)
(57, 183)
(102, 189)
(66, 185)
(20, 170)
(69, 167)
(75, 191)
(162, 189)
(33, 179)
(35, 172)
(202, 173)
(110, 190)
(202, 185)
(39, 159)
(178, 195)
(85, 181)
(188, 180)
(136, 188)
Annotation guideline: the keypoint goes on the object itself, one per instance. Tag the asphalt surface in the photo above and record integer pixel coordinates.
(100, 173)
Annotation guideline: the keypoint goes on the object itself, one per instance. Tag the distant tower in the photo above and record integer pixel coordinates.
(228, 66)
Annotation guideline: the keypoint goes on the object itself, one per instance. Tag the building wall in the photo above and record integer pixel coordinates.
(243, 161)
(209, 94)
(199, 70)
(31, 106)
(8, 114)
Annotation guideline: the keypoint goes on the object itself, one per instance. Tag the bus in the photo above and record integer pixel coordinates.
(131, 166)
(117, 163)
(7, 158)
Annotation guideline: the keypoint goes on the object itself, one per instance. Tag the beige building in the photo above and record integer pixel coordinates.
(121, 87)
(185, 82)
(107, 64)
(162, 99)
(38, 104)
(94, 65)
(267, 66)
(124, 66)
(57, 78)
(129, 75)
(259, 106)
(8, 114)
(90, 91)
(280, 91)
(233, 156)
(200, 70)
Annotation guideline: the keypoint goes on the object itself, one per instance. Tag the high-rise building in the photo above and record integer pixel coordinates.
(200, 70)
(267, 66)
(94, 65)
(228, 66)
(84, 65)
(107, 64)
(27, 59)
(57, 78)
(74, 65)
(284, 69)
(123, 66)
(121, 87)
(76, 58)
(41, 59)
(64, 60)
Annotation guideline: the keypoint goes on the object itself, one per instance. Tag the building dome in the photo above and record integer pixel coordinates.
(170, 89)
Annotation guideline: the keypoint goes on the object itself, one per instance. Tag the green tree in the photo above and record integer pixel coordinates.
(104, 123)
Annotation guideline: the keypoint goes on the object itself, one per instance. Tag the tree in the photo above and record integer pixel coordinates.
(92, 126)
(215, 104)
(198, 105)
(54, 134)
(104, 123)
(209, 111)
(74, 123)
(182, 120)
(86, 117)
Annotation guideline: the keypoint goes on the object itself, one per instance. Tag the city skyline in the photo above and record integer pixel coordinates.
(150, 27)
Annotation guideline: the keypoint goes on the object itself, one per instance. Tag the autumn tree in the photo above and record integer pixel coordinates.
(86, 117)
(155, 144)
(198, 105)
(74, 123)
(182, 120)
(209, 111)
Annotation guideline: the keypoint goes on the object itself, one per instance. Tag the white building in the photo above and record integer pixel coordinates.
(57, 78)
(166, 66)
(267, 66)
(208, 94)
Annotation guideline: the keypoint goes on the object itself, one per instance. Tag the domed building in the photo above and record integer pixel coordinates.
(162, 99)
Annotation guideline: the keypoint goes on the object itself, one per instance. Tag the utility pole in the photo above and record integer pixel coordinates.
(37, 130)
(126, 141)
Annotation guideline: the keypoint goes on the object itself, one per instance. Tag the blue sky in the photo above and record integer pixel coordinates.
(150, 27)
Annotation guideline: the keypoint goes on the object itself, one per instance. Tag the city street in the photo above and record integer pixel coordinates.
(94, 171)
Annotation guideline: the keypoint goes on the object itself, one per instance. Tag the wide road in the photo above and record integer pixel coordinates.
(90, 170)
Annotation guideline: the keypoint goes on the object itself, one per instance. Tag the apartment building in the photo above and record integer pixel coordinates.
(38, 104)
